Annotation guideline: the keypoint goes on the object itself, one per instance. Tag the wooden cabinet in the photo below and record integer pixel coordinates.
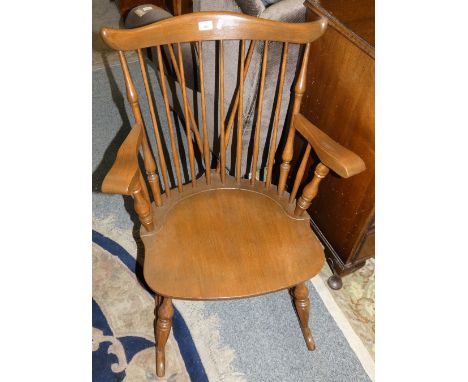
(340, 100)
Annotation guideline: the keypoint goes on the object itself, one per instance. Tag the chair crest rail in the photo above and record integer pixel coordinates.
(203, 26)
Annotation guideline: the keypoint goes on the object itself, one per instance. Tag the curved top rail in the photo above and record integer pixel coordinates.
(202, 26)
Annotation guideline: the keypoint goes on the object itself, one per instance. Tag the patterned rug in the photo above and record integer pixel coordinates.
(198, 349)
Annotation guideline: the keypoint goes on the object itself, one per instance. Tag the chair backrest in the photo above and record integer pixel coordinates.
(197, 28)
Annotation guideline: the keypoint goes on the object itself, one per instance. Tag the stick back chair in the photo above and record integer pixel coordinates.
(221, 236)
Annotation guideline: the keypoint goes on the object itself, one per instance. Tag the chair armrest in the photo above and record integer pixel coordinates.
(124, 173)
(336, 157)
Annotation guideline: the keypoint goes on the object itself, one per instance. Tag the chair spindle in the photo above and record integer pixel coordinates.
(300, 173)
(132, 96)
(236, 94)
(144, 188)
(186, 117)
(221, 112)
(299, 91)
(142, 206)
(311, 189)
(240, 113)
(193, 125)
(274, 134)
(206, 145)
(259, 114)
(175, 153)
(162, 159)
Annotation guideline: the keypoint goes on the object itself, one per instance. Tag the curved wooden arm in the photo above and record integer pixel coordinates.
(336, 157)
(124, 174)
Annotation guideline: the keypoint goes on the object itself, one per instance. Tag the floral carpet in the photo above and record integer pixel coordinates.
(357, 301)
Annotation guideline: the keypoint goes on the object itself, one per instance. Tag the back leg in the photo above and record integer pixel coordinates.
(300, 295)
(163, 328)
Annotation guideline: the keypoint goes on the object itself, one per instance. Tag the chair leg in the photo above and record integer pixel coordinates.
(300, 295)
(163, 328)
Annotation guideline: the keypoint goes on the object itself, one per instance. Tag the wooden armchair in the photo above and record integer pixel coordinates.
(221, 236)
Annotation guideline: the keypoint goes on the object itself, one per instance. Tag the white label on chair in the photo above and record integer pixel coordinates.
(205, 25)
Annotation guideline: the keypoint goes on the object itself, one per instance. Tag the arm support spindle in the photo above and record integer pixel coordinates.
(310, 190)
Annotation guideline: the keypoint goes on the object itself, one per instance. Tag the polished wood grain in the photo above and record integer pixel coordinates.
(235, 107)
(339, 100)
(302, 303)
(143, 208)
(353, 19)
(163, 329)
(132, 96)
(274, 134)
(191, 154)
(222, 147)
(259, 114)
(125, 172)
(193, 123)
(175, 153)
(288, 150)
(300, 173)
(242, 243)
(162, 159)
(341, 160)
(311, 189)
(240, 110)
(227, 237)
(206, 144)
(214, 26)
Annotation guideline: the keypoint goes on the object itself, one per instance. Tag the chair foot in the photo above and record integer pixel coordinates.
(163, 328)
(300, 295)
(335, 282)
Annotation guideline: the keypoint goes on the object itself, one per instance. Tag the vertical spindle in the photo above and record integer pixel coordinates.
(274, 134)
(186, 117)
(288, 148)
(236, 94)
(175, 153)
(222, 148)
(162, 159)
(300, 174)
(240, 113)
(132, 96)
(259, 115)
(206, 146)
(193, 124)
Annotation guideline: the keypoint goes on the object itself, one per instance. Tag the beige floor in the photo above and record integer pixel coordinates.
(356, 299)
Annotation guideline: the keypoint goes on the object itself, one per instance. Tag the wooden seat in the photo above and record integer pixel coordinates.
(221, 236)
(239, 242)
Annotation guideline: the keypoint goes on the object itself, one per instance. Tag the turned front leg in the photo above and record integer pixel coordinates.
(288, 150)
(163, 328)
(301, 301)
(310, 190)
